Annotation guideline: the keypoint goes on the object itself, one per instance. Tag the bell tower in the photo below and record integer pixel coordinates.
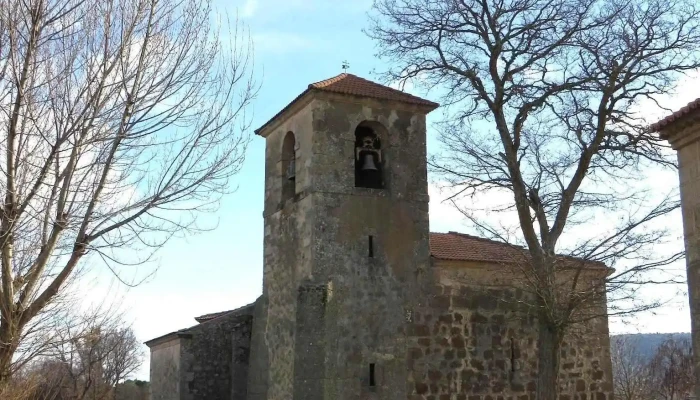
(346, 242)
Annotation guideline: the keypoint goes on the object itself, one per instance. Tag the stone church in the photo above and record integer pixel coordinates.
(360, 300)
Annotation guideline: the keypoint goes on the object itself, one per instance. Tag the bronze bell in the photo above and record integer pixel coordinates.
(291, 170)
(368, 164)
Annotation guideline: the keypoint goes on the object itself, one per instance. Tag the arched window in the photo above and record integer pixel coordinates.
(289, 171)
(369, 171)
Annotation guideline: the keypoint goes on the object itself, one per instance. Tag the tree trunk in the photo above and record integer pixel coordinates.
(548, 346)
(4, 370)
(6, 352)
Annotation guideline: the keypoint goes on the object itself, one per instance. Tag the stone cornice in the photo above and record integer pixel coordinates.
(310, 94)
(683, 132)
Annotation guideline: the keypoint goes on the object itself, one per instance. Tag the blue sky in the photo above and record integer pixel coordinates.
(296, 42)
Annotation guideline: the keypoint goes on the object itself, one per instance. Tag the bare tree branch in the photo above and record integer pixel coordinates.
(543, 104)
(120, 122)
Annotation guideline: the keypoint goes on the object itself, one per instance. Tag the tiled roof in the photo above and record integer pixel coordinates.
(354, 85)
(683, 112)
(246, 309)
(207, 317)
(462, 247)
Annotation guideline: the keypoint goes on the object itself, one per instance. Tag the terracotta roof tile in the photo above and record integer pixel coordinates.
(462, 247)
(354, 85)
(668, 120)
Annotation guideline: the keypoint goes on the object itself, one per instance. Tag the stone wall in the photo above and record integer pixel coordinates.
(215, 359)
(241, 333)
(165, 368)
(311, 342)
(258, 358)
(476, 342)
(287, 245)
(685, 139)
(368, 293)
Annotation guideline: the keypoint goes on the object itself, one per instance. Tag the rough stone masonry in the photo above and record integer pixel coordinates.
(359, 299)
(682, 130)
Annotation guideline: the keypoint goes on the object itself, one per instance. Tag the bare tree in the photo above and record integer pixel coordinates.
(95, 356)
(543, 108)
(90, 356)
(630, 370)
(91, 352)
(120, 121)
(26, 385)
(125, 358)
(671, 371)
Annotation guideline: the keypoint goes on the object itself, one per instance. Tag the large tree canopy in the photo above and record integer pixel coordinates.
(544, 105)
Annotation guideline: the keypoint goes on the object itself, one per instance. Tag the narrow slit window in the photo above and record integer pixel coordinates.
(288, 167)
(512, 355)
(372, 381)
(370, 247)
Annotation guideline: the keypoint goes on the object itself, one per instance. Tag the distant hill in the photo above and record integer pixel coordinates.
(646, 343)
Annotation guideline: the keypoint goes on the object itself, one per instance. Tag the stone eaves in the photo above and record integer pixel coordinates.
(689, 112)
(352, 85)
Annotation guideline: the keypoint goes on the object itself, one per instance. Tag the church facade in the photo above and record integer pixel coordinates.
(360, 300)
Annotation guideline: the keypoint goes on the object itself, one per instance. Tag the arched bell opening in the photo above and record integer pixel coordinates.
(369, 163)
(289, 171)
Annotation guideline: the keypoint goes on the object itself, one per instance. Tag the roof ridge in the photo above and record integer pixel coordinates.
(483, 239)
(670, 119)
(324, 84)
(215, 315)
(469, 249)
(355, 86)
(315, 85)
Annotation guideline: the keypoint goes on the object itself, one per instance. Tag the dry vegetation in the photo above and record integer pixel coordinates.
(667, 375)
